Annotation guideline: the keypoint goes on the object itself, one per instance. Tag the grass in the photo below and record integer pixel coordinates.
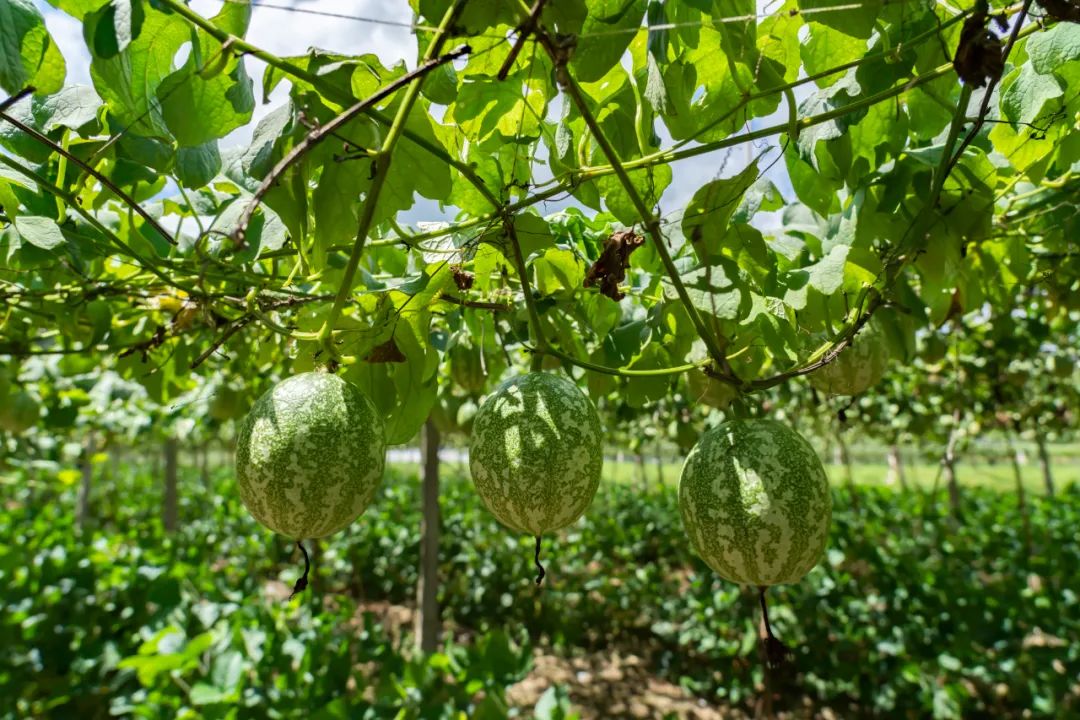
(973, 469)
(997, 476)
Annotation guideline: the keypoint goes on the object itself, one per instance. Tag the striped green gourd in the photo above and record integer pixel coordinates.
(536, 453)
(310, 455)
(755, 502)
(856, 369)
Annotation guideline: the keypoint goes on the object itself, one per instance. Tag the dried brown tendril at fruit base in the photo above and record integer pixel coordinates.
(979, 55)
(610, 268)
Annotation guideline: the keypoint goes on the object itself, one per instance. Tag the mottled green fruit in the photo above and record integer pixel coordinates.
(536, 453)
(856, 369)
(310, 455)
(19, 412)
(755, 502)
(713, 392)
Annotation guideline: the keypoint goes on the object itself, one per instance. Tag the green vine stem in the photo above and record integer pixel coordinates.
(559, 183)
(652, 223)
(329, 128)
(73, 203)
(381, 162)
(871, 298)
(619, 372)
(345, 99)
(526, 289)
(64, 154)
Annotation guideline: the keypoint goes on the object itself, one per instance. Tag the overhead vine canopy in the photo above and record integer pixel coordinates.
(931, 150)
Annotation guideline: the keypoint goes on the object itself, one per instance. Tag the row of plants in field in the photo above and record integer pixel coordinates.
(906, 614)
(127, 621)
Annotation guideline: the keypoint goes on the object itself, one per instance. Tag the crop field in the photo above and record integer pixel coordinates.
(197, 623)
(539, 359)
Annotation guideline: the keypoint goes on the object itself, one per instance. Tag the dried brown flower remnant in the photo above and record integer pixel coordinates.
(610, 268)
(462, 278)
(979, 55)
(388, 352)
(1063, 10)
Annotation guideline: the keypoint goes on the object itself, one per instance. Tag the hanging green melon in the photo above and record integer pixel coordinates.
(310, 455)
(755, 502)
(536, 453)
(856, 369)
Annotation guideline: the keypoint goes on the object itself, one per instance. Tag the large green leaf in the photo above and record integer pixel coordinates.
(40, 232)
(705, 221)
(128, 82)
(1052, 48)
(210, 95)
(609, 28)
(855, 19)
(28, 55)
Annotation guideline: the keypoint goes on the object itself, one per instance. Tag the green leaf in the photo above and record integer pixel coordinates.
(645, 389)
(475, 18)
(607, 32)
(413, 170)
(228, 671)
(39, 231)
(826, 48)
(128, 82)
(856, 19)
(197, 106)
(558, 271)
(818, 193)
(28, 55)
(203, 694)
(705, 222)
(110, 30)
(704, 93)
(1050, 49)
(265, 233)
(18, 142)
(931, 107)
(336, 205)
(197, 166)
(78, 8)
(649, 182)
(716, 290)
(1026, 94)
(843, 93)
(261, 154)
(486, 105)
(827, 274)
(404, 392)
(533, 233)
(74, 107)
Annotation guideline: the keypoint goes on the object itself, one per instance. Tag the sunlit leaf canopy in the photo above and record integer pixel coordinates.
(916, 178)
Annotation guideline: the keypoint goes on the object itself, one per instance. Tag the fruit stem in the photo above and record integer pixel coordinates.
(301, 582)
(776, 653)
(536, 561)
